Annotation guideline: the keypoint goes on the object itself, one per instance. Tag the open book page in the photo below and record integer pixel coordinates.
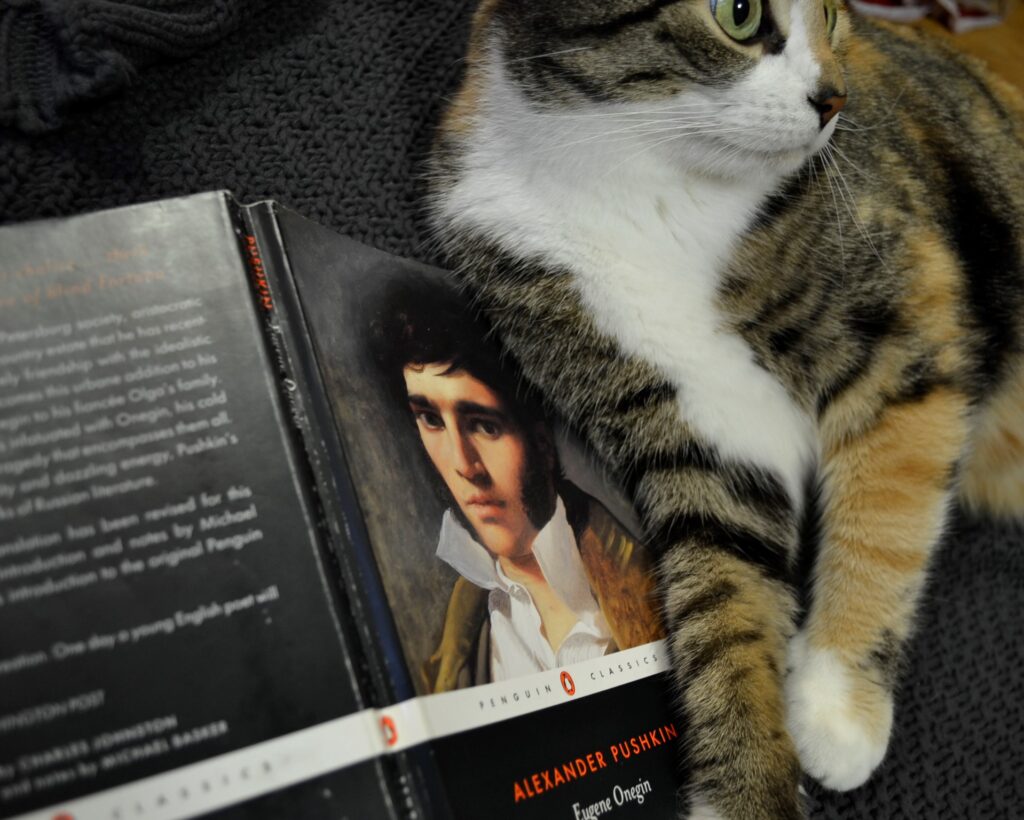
(169, 639)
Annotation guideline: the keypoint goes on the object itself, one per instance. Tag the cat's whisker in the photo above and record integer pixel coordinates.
(687, 126)
(850, 204)
(850, 162)
(638, 132)
(844, 121)
(681, 122)
(725, 156)
(864, 128)
(839, 219)
(675, 116)
(676, 109)
(857, 221)
(618, 135)
(644, 150)
(550, 54)
(896, 101)
(811, 170)
(884, 119)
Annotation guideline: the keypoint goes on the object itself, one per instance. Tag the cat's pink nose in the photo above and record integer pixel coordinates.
(828, 104)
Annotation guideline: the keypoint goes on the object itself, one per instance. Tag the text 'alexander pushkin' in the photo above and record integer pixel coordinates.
(585, 765)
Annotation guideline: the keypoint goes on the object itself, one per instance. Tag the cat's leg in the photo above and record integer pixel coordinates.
(886, 493)
(729, 625)
(726, 534)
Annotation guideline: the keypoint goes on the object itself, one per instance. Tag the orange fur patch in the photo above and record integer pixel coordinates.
(857, 406)
(461, 114)
(865, 61)
(886, 495)
(934, 299)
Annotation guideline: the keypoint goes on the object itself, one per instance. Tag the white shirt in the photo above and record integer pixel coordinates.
(518, 645)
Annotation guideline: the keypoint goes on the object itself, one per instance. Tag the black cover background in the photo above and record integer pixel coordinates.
(328, 107)
(481, 767)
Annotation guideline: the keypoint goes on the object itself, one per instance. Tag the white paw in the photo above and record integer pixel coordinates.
(840, 734)
(700, 809)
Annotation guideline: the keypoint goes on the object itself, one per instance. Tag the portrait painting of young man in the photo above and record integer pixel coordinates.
(546, 576)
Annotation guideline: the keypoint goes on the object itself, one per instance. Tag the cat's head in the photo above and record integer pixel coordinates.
(729, 85)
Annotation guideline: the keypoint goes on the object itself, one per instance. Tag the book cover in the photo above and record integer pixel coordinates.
(464, 486)
(284, 533)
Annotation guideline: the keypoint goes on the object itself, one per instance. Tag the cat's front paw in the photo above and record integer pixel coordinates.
(840, 721)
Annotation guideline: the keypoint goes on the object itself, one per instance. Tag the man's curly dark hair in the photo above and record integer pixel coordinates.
(422, 322)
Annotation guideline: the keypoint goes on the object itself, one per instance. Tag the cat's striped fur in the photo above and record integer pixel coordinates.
(750, 336)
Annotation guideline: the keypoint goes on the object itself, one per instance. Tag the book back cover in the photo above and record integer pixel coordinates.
(168, 635)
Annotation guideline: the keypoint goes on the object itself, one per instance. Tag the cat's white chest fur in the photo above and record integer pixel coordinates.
(647, 244)
(648, 272)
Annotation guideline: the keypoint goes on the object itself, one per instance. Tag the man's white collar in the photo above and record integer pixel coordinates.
(554, 548)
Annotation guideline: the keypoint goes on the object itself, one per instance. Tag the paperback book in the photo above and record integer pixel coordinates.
(283, 534)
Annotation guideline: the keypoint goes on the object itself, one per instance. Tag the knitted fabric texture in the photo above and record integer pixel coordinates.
(56, 54)
(329, 106)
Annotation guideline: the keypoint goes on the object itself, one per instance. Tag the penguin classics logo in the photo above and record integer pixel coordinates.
(568, 684)
(387, 725)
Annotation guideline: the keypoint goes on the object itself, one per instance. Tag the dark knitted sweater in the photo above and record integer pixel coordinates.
(57, 54)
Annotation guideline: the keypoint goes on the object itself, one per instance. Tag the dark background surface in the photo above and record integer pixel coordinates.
(329, 108)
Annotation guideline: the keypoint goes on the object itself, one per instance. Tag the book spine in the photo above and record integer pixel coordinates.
(361, 601)
(294, 357)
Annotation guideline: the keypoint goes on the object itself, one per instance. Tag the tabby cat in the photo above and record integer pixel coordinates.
(767, 261)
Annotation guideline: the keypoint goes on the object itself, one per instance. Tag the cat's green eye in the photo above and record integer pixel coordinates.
(831, 15)
(740, 19)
